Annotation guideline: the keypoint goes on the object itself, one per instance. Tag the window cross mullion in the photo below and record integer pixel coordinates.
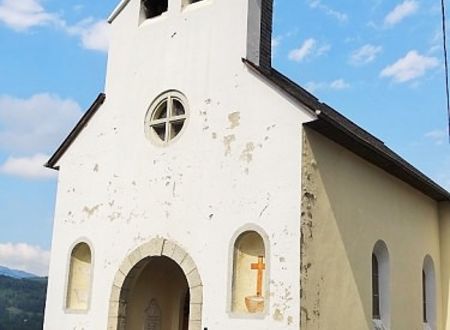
(156, 122)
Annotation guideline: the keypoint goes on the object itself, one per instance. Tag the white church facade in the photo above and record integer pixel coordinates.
(206, 191)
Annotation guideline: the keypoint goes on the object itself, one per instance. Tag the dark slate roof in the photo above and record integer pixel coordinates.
(336, 127)
(75, 132)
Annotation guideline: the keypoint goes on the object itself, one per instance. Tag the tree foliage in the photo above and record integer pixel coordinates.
(22, 303)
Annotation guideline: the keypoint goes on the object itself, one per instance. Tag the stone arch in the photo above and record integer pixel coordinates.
(135, 262)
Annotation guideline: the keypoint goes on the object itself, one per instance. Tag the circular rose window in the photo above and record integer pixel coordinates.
(166, 117)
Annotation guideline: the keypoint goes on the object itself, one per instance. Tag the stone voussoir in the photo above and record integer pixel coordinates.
(194, 279)
(152, 248)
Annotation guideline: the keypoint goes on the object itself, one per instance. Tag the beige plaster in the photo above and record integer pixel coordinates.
(347, 206)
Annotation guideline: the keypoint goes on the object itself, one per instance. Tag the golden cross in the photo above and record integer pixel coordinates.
(260, 267)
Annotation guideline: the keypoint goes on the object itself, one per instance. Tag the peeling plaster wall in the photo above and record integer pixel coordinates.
(237, 162)
(347, 206)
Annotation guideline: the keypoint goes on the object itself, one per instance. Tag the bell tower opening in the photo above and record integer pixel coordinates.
(158, 296)
(153, 8)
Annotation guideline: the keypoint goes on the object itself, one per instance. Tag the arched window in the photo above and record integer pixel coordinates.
(249, 284)
(380, 286)
(79, 278)
(429, 294)
(375, 289)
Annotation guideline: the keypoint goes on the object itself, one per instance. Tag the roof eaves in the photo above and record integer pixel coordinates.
(117, 10)
(51, 163)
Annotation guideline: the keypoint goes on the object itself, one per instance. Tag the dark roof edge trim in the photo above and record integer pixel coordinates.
(387, 161)
(51, 163)
(307, 99)
(325, 113)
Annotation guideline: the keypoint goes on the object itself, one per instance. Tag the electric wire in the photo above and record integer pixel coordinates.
(447, 89)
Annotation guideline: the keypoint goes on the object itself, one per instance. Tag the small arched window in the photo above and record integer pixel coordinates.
(249, 284)
(380, 286)
(375, 288)
(428, 294)
(79, 278)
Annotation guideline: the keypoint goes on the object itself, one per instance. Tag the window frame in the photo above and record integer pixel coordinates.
(380, 254)
(169, 121)
(428, 289)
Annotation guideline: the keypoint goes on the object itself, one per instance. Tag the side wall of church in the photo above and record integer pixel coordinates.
(444, 229)
(349, 205)
(236, 164)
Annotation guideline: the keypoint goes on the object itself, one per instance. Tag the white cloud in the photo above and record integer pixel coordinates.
(436, 42)
(318, 4)
(94, 35)
(400, 12)
(22, 256)
(437, 136)
(313, 86)
(28, 167)
(303, 51)
(309, 48)
(410, 67)
(276, 41)
(365, 54)
(336, 85)
(36, 124)
(323, 49)
(21, 15)
(339, 84)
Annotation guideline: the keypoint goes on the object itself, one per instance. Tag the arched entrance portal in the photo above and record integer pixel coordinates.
(157, 287)
(158, 297)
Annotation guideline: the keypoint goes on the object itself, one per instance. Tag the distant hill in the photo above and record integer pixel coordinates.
(15, 273)
(22, 302)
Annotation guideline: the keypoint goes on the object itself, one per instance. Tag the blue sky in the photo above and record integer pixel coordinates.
(379, 62)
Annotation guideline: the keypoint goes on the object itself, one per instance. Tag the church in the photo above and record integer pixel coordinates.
(204, 190)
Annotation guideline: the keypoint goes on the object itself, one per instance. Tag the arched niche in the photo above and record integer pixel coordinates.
(249, 280)
(79, 278)
(429, 294)
(380, 272)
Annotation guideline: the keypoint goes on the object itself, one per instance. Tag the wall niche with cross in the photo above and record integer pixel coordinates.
(249, 274)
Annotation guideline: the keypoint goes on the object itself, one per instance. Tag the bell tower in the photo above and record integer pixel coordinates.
(259, 32)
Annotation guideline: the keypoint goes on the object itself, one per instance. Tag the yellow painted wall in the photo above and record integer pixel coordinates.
(347, 206)
(444, 212)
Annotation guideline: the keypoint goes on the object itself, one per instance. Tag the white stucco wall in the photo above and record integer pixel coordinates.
(119, 190)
